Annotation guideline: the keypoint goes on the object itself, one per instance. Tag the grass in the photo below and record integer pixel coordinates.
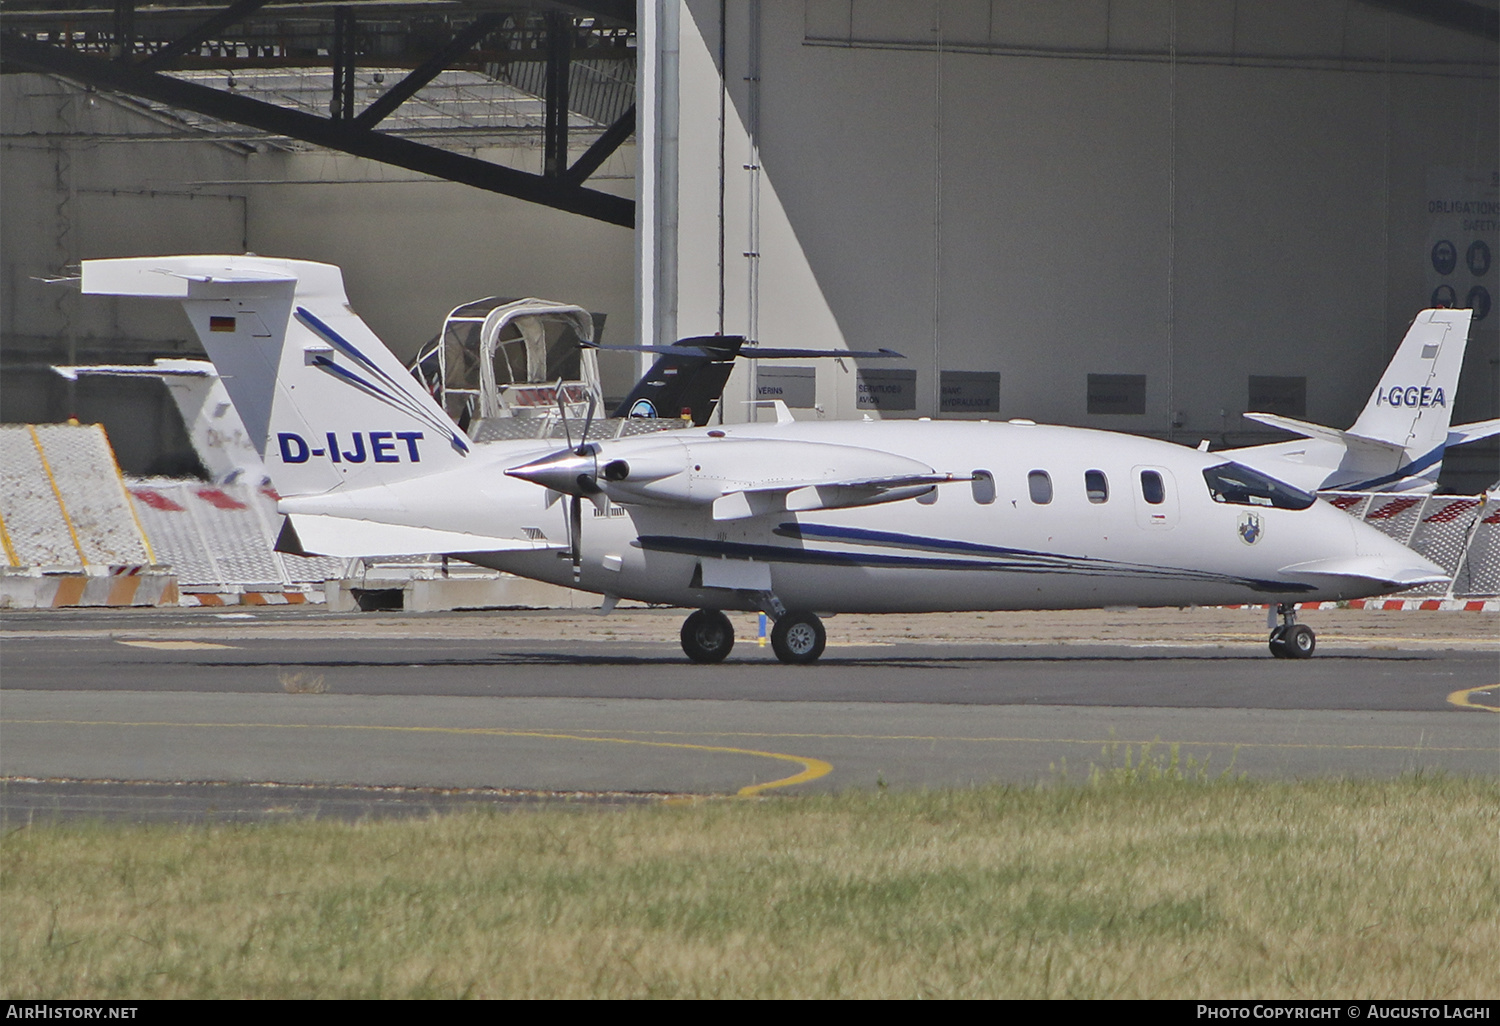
(1136, 884)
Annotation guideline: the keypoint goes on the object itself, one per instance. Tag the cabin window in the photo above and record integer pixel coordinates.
(1153, 490)
(984, 487)
(1241, 486)
(1097, 485)
(1040, 484)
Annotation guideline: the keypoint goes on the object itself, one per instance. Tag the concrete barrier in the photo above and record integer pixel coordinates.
(35, 588)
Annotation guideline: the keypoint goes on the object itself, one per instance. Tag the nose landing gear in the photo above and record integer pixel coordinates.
(1290, 639)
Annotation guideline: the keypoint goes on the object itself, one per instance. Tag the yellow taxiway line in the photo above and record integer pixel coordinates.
(812, 769)
(1465, 699)
(1154, 741)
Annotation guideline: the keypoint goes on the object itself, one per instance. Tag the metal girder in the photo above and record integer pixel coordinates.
(559, 60)
(556, 192)
(124, 28)
(341, 107)
(603, 146)
(231, 15)
(405, 89)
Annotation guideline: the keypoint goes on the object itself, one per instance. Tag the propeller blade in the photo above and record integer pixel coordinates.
(562, 411)
(575, 533)
(588, 421)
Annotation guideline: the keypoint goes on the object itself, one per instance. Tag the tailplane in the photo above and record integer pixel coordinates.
(1397, 443)
(322, 399)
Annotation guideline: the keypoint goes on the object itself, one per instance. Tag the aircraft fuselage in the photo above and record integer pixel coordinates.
(1130, 521)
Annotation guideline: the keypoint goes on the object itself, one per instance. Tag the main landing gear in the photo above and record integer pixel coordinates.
(797, 638)
(1290, 639)
(707, 636)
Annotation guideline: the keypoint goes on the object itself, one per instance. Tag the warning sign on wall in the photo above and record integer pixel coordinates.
(1463, 217)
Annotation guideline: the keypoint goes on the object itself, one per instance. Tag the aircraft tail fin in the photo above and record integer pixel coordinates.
(689, 375)
(213, 426)
(1413, 403)
(687, 378)
(321, 397)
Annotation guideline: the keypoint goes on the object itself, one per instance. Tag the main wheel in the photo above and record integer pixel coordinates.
(798, 638)
(1299, 641)
(707, 636)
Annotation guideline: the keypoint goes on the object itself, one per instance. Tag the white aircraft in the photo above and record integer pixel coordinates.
(791, 518)
(1397, 444)
(218, 436)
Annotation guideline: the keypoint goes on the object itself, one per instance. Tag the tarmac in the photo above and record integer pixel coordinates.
(201, 714)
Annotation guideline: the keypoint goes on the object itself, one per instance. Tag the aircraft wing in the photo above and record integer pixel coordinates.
(1459, 434)
(318, 534)
(1298, 427)
(737, 477)
(801, 498)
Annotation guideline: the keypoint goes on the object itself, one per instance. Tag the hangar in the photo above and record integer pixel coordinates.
(1142, 215)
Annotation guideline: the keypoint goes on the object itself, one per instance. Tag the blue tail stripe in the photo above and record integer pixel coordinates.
(396, 395)
(1412, 469)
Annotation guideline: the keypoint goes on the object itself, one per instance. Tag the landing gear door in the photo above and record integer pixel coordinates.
(1154, 492)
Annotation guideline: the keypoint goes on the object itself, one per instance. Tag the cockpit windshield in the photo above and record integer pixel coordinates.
(1241, 486)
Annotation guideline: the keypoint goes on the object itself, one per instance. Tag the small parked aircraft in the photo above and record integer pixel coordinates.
(219, 437)
(791, 518)
(1397, 444)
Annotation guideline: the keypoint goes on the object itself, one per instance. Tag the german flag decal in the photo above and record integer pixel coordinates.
(221, 324)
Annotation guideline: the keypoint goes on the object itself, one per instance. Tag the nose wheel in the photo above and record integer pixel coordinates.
(707, 636)
(1290, 639)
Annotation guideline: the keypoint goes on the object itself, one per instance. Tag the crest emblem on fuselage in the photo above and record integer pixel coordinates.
(1251, 527)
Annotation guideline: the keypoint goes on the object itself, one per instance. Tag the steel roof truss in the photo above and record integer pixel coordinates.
(559, 192)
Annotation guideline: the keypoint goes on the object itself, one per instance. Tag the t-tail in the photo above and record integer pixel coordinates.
(687, 380)
(1398, 442)
(326, 404)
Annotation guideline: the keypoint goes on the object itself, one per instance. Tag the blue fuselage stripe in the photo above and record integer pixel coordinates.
(1020, 561)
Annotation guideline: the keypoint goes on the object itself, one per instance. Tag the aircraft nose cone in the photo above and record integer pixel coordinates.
(565, 471)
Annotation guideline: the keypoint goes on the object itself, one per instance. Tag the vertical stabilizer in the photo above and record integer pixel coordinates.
(687, 378)
(322, 399)
(219, 438)
(1412, 405)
